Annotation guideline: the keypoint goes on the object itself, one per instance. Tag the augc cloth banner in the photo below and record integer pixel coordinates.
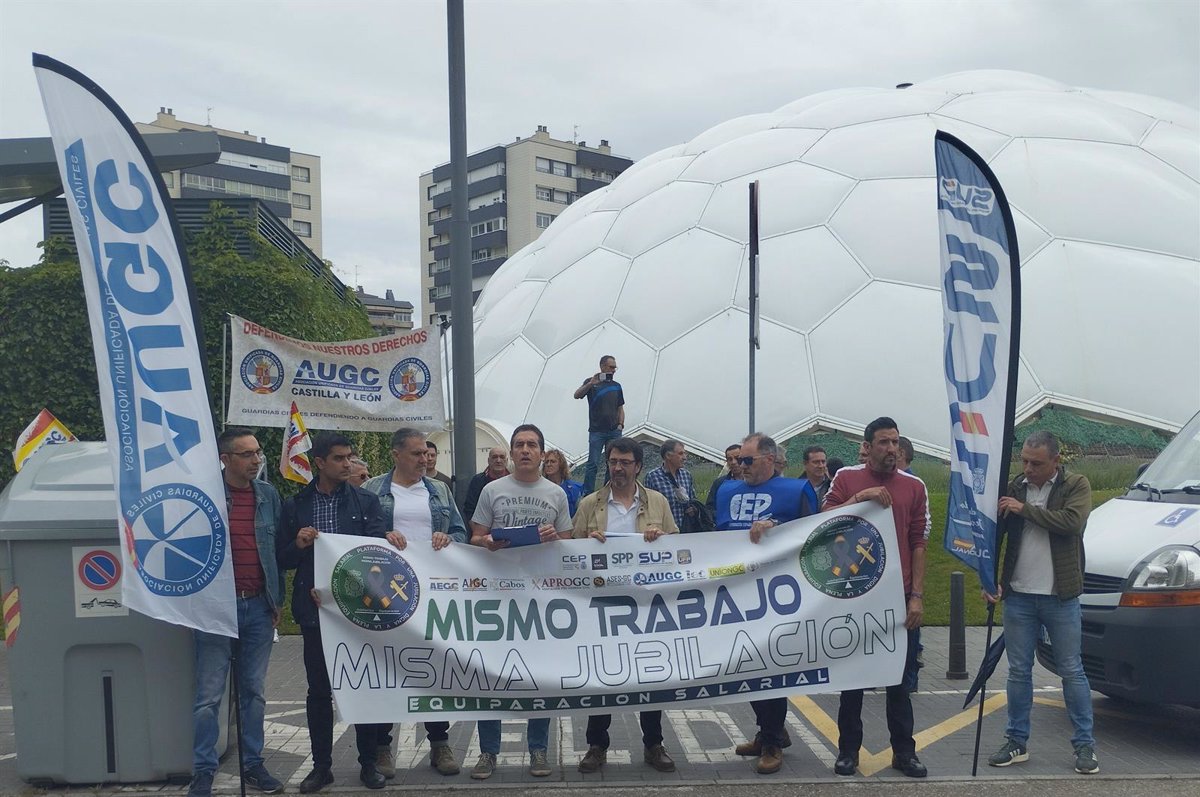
(981, 299)
(581, 626)
(170, 495)
(372, 385)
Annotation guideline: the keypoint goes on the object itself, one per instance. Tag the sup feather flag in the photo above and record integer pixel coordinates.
(293, 461)
(981, 299)
(44, 430)
(149, 362)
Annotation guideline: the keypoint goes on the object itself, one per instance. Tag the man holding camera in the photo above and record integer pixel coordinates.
(606, 415)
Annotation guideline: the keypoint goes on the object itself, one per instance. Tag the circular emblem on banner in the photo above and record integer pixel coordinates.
(262, 371)
(375, 588)
(410, 379)
(843, 557)
(177, 537)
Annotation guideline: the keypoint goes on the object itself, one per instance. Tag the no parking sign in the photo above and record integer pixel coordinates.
(98, 581)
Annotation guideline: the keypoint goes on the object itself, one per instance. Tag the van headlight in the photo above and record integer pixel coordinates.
(1171, 577)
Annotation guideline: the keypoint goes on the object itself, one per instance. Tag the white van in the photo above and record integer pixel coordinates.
(1141, 585)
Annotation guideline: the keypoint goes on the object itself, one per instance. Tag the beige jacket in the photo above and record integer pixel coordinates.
(653, 510)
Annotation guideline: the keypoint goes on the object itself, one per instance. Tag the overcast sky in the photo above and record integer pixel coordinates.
(363, 84)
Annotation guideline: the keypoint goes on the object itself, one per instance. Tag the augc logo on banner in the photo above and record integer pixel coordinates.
(173, 530)
(410, 379)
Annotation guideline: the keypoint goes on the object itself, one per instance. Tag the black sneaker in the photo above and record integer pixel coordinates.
(201, 785)
(259, 778)
(316, 780)
(1086, 762)
(1011, 752)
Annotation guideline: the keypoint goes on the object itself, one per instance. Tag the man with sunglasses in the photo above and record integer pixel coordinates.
(626, 508)
(254, 514)
(758, 503)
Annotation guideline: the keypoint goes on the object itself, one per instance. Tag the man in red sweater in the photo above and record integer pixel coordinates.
(879, 480)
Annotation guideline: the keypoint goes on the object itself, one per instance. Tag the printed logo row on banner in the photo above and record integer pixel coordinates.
(409, 635)
(375, 384)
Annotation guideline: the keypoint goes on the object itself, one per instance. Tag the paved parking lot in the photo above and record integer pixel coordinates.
(1134, 743)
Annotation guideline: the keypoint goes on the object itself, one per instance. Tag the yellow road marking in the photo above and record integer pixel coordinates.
(869, 763)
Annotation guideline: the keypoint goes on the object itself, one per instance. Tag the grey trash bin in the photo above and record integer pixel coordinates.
(100, 694)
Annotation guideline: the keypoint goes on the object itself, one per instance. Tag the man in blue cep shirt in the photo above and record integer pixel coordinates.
(760, 502)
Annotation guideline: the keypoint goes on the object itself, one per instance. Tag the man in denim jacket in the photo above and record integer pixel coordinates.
(254, 512)
(418, 508)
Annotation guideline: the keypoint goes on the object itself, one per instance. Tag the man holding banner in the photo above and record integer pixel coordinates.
(420, 509)
(328, 505)
(879, 480)
(624, 508)
(524, 498)
(1044, 516)
(758, 503)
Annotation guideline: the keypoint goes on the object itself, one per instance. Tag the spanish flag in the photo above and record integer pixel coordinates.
(293, 462)
(45, 429)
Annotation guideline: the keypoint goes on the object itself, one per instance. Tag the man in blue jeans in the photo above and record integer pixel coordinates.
(254, 511)
(606, 416)
(523, 498)
(1044, 515)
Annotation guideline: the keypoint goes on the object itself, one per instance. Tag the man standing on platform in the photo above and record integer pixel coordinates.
(878, 480)
(328, 505)
(254, 515)
(606, 415)
(626, 508)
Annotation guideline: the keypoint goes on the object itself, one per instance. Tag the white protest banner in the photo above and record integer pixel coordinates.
(372, 385)
(149, 362)
(580, 626)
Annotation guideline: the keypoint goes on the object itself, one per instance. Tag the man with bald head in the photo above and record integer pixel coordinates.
(497, 468)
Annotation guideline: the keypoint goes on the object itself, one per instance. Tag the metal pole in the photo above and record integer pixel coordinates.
(444, 326)
(463, 389)
(753, 292)
(225, 331)
(958, 629)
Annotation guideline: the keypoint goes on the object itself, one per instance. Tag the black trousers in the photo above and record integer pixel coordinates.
(651, 722)
(899, 713)
(770, 716)
(319, 708)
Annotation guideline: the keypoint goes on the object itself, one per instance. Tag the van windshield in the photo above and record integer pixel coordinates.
(1178, 466)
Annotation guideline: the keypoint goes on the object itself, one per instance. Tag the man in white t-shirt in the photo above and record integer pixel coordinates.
(523, 498)
(419, 510)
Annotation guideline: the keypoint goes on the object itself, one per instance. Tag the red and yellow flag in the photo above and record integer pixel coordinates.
(293, 461)
(45, 429)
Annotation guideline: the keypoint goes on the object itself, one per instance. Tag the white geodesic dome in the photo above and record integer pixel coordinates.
(1104, 187)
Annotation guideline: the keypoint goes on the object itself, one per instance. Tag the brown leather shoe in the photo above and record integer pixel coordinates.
(770, 761)
(657, 757)
(754, 747)
(594, 759)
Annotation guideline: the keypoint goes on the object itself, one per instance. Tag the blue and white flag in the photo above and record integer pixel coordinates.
(170, 496)
(981, 297)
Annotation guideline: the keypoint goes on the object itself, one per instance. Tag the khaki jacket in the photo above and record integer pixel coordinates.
(653, 510)
(1065, 518)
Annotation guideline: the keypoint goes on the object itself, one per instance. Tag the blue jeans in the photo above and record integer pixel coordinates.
(537, 735)
(1024, 617)
(213, 654)
(596, 441)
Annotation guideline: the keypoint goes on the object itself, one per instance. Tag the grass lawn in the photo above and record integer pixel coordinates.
(1108, 477)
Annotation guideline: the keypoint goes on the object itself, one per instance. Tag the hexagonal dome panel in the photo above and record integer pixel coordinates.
(653, 268)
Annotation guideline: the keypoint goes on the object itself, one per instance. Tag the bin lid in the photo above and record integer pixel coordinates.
(63, 490)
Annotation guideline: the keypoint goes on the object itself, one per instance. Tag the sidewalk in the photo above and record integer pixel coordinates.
(1132, 740)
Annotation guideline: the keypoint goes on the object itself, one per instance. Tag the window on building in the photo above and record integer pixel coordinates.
(480, 255)
(302, 228)
(403, 318)
(439, 292)
(438, 266)
(544, 219)
(302, 201)
(219, 185)
(484, 227)
(543, 193)
(547, 166)
(300, 174)
(251, 162)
